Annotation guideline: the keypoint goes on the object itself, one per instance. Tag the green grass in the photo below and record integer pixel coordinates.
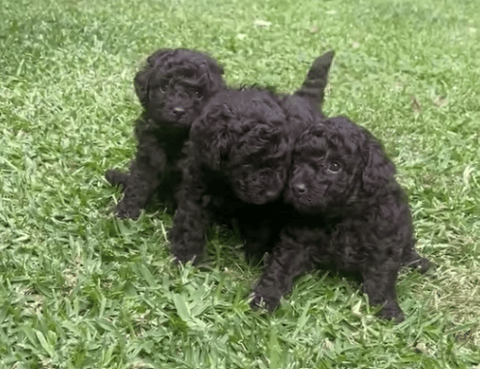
(80, 289)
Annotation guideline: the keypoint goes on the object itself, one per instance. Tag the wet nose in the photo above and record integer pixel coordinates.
(271, 194)
(299, 187)
(178, 112)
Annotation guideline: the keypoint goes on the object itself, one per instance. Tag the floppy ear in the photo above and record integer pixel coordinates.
(379, 169)
(141, 86)
(212, 140)
(215, 152)
(211, 75)
(141, 80)
(215, 67)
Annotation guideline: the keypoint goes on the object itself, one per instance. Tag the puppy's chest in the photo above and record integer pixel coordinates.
(341, 245)
(172, 141)
(172, 148)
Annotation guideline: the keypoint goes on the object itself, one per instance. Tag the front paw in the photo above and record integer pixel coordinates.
(126, 212)
(391, 311)
(254, 258)
(116, 177)
(269, 301)
(183, 254)
(423, 265)
(185, 258)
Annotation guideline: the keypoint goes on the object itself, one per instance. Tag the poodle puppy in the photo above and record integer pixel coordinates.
(237, 157)
(172, 88)
(347, 211)
(260, 226)
(236, 163)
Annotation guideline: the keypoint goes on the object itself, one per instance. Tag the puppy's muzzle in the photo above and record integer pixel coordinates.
(272, 195)
(178, 111)
(299, 188)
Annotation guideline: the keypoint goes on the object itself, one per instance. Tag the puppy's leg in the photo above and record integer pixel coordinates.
(379, 284)
(117, 178)
(187, 236)
(144, 178)
(258, 241)
(411, 259)
(290, 259)
(258, 231)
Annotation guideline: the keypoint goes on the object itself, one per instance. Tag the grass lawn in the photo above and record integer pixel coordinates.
(80, 289)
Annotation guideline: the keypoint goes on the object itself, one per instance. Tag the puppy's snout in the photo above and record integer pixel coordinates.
(178, 111)
(272, 194)
(299, 188)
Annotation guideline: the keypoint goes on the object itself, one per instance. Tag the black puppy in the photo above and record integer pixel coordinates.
(173, 87)
(259, 226)
(348, 211)
(237, 159)
(237, 156)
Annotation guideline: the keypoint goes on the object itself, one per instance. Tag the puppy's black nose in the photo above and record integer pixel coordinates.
(178, 112)
(271, 194)
(299, 187)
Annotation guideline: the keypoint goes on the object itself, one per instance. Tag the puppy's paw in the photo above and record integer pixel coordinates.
(116, 177)
(124, 212)
(425, 265)
(422, 265)
(391, 311)
(185, 258)
(254, 258)
(269, 302)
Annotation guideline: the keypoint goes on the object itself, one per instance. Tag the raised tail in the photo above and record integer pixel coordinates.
(317, 78)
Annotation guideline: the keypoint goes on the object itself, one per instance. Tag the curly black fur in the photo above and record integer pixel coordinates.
(313, 87)
(237, 157)
(237, 163)
(347, 211)
(173, 87)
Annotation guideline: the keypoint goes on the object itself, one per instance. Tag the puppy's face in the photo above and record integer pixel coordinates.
(175, 85)
(334, 164)
(243, 136)
(257, 165)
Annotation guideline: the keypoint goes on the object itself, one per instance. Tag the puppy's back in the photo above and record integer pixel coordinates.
(238, 111)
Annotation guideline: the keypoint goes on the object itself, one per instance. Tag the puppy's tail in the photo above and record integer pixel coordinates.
(317, 78)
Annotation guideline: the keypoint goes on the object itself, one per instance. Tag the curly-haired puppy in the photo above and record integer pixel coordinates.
(260, 226)
(348, 211)
(173, 87)
(237, 159)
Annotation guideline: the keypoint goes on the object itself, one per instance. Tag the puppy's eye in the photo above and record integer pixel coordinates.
(334, 167)
(197, 92)
(163, 87)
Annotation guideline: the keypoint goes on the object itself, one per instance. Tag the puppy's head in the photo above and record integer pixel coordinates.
(243, 136)
(335, 163)
(175, 84)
